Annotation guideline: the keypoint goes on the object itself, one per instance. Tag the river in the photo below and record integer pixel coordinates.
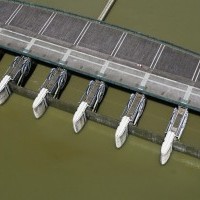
(44, 159)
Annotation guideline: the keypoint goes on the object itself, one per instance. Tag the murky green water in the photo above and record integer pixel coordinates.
(173, 21)
(44, 159)
(88, 8)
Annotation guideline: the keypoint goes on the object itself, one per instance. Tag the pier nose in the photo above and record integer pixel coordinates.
(166, 150)
(40, 105)
(121, 133)
(4, 89)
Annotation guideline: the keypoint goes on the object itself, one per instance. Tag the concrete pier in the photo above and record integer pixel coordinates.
(106, 10)
(107, 121)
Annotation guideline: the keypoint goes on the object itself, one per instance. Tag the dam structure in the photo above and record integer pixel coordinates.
(102, 51)
(107, 54)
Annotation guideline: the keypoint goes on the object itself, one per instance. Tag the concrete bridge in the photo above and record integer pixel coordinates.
(115, 55)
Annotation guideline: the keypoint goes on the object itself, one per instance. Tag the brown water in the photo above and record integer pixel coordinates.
(88, 8)
(44, 159)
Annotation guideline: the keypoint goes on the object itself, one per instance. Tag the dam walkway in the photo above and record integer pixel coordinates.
(102, 51)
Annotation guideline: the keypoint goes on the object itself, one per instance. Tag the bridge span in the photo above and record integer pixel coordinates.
(115, 55)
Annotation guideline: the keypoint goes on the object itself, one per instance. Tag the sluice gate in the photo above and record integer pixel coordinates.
(131, 114)
(91, 99)
(52, 86)
(17, 72)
